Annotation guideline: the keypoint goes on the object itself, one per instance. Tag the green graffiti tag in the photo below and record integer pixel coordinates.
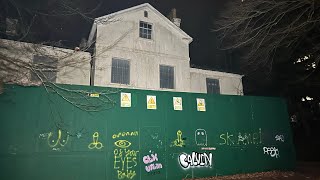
(241, 138)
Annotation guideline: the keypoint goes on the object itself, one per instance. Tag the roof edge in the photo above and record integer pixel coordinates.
(187, 37)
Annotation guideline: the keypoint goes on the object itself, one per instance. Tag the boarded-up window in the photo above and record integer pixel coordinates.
(213, 86)
(120, 72)
(166, 77)
(45, 69)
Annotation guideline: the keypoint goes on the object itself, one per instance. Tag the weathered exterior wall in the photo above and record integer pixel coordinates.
(73, 66)
(51, 139)
(230, 84)
(120, 39)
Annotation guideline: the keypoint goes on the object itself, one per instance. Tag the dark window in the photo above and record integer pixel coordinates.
(213, 86)
(45, 69)
(145, 30)
(120, 72)
(166, 77)
(146, 14)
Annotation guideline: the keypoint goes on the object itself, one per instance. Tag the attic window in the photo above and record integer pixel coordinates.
(145, 30)
(146, 14)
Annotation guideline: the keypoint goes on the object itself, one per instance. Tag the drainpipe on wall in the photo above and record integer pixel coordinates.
(92, 43)
(92, 69)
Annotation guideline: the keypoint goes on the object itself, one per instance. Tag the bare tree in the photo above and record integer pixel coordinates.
(36, 64)
(269, 32)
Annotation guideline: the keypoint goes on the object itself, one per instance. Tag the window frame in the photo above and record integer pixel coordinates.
(128, 73)
(173, 76)
(218, 82)
(142, 28)
(46, 75)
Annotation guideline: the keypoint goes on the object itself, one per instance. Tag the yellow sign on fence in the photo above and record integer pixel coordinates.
(125, 99)
(201, 104)
(151, 102)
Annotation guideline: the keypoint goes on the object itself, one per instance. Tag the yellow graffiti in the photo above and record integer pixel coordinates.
(95, 142)
(53, 143)
(179, 141)
(122, 143)
(125, 162)
(123, 134)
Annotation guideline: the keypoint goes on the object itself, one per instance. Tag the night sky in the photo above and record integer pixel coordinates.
(197, 21)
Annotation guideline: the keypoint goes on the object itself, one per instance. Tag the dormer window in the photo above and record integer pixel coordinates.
(145, 30)
(146, 14)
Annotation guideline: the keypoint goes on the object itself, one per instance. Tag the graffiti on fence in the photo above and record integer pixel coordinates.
(208, 148)
(124, 134)
(122, 143)
(151, 162)
(95, 142)
(242, 138)
(200, 136)
(195, 159)
(59, 141)
(179, 142)
(272, 151)
(125, 159)
(279, 138)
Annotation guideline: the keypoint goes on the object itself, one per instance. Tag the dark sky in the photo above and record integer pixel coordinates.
(197, 21)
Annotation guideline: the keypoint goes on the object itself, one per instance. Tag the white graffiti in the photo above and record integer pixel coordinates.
(242, 138)
(279, 138)
(208, 148)
(200, 136)
(195, 160)
(150, 160)
(272, 151)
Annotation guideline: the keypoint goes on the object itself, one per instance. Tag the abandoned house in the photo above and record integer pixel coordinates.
(133, 48)
(140, 48)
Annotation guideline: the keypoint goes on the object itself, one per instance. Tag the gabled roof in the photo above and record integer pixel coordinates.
(141, 6)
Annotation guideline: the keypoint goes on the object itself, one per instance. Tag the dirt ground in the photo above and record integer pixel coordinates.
(304, 170)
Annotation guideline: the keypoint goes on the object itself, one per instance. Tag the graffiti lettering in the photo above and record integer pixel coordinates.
(95, 144)
(129, 174)
(195, 160)
(272, 151)
(59, 141)
(43, 135)
(152, 167)
(124, 134)
(201, 137)
(151, 159)
(179, 142)
(279, 138)
(241, 139)
(147, 159)
(125, 160)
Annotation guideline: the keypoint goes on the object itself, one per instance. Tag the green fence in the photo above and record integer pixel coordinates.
(46, 135)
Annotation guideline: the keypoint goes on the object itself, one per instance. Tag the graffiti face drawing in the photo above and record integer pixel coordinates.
(201, 137)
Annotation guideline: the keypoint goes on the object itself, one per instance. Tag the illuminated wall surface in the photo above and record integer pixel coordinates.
(45, 137)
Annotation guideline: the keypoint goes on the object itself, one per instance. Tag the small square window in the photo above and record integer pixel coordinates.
(120, 72)
(213, 86)
(166, 77)
(145, 30)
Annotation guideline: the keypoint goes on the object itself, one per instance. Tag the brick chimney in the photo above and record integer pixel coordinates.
(173, 17)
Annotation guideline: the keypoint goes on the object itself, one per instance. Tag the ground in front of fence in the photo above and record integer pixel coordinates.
(304, 171)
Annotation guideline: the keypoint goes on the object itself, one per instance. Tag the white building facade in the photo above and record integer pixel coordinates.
(35, 63)
(142, 49)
